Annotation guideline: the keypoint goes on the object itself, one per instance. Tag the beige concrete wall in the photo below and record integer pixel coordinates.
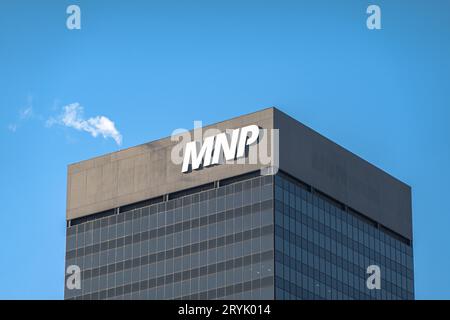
(144, 172)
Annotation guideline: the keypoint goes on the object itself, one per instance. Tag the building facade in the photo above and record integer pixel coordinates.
(139, 228)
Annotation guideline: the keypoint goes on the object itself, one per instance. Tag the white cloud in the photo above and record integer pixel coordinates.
(26, 113)
(12, 127)
(72, 117)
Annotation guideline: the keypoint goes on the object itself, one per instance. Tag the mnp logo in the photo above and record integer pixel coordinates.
(247, 145)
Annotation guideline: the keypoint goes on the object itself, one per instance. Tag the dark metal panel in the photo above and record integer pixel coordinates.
(326, 166)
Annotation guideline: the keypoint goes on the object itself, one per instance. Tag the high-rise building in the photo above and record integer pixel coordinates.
(324, 224)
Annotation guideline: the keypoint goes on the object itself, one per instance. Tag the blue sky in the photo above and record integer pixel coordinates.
(153, 66)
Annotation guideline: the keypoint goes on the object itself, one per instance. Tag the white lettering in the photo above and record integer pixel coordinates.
(374, 280)
(243, 142)
(205, 154)
(374, 20)
(74, 20)
(230, 146)
(74, 278)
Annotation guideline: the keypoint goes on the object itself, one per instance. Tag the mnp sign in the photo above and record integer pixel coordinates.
(219, 148)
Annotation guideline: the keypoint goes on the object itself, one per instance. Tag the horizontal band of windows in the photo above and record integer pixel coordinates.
(132, 215)
(175, 199)
(239, 178)
(178, 252)
(235, 212)
(341, 262)
(341, 238)
(192, 274)
(305, 294)
(368, 221)
(394, 235)
(286, 176)
(232, 289)
(362, 217)
(81, 220)
(336, 261)
(198, 189)
(300, 215)
(322, 277)
(170, 229)
(345, 292)
(141, 204)
(211, 294)
(300, 294)
(330, 256)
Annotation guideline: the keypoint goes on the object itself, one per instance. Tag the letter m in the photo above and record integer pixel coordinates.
(205, 154)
